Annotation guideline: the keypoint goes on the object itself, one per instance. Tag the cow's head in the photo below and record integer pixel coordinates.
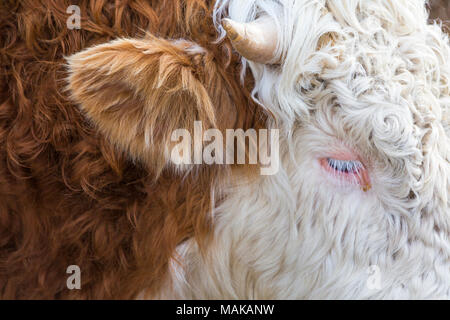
(360, 90)
(361, 86)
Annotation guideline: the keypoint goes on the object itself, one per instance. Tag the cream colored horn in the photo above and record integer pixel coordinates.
(256, 40)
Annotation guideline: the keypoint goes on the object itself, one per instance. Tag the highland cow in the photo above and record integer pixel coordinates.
(359, 91)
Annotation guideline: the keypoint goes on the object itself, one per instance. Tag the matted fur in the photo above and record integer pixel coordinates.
(67, 196)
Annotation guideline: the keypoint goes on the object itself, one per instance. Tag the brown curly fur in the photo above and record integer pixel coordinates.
(66, 195)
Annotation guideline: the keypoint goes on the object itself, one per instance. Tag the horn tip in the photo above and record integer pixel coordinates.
(230, 29)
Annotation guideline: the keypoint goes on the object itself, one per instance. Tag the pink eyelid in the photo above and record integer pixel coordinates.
(362, 176)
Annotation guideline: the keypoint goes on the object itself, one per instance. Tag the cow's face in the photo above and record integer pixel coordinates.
(363, 87)
(361, 90)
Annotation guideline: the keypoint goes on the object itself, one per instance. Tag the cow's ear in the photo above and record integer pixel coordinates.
(138, 91)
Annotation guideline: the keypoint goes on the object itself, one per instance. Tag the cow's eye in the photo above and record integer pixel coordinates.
(350, 171)
(344, 166)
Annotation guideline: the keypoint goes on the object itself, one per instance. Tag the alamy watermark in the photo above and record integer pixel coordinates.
(74, 21)
(210, 147)
(374, 280)
(74, 280)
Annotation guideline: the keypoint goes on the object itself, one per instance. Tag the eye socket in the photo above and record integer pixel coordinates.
(351, 171)
(344, 166)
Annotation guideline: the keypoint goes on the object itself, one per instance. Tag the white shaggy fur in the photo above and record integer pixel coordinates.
(381, 88)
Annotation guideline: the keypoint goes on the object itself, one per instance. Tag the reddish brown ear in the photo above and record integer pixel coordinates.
(138, 91)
